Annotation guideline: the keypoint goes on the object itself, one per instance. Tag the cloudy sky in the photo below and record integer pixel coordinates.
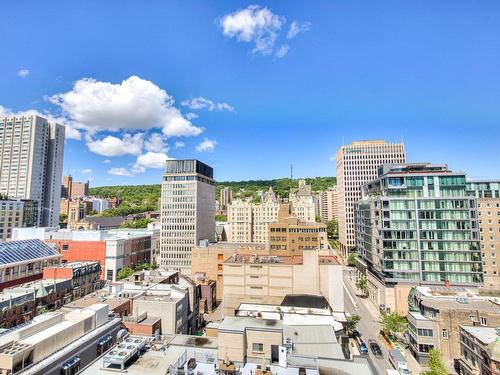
(252, 87)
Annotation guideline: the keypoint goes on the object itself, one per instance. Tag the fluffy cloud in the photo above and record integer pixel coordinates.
(254, 24)
(70, 131)
(119, 172)
(155, 143)
(297, 28)
(207, 145)
(191, 116)
(23, 73)
(282, 51)
(112, 146)
(134, 103)
(106, 161)
(152, 160)
(203, 103)
(86, 171)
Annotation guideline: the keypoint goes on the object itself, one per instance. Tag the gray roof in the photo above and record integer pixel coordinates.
(105, 222)
(484, 334)
(481, 304)
(239, 324)
(25, 250)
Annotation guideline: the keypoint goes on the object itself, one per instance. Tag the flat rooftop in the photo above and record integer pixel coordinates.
(162, 354)
(91, 299)
(271, 259)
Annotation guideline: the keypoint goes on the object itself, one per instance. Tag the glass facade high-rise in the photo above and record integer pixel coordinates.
(187, 212)
(416, 223)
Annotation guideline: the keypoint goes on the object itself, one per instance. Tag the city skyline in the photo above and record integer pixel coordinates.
(252, 96)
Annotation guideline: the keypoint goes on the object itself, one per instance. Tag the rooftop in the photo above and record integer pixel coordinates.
(91, 299)
(486, 335)
(25, 250)
(274, 259)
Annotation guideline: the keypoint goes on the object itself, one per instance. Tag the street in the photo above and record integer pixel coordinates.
(369, 327)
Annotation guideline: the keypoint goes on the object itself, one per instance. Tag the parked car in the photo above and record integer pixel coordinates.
(363, 349)
(399, 362)
(355, 334)
(375, 348)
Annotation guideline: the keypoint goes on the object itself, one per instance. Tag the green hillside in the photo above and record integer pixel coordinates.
(140, 198)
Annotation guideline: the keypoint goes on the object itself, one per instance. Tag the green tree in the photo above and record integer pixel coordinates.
(124, 273)
(220, 218)
(351, 259)
(436, 364)
(352, 322)
(362, 284)
(318, 219)
(332, 228)
(93, 213)
(63, 218)
(393, 323)
(136, 224)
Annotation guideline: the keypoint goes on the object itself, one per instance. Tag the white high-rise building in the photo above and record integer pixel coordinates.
(187, 212)
(357, 164)
(31, 160)
(303, 202)
(264, 214)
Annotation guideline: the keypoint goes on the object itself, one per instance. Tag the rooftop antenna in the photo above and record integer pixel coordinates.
(291, 171)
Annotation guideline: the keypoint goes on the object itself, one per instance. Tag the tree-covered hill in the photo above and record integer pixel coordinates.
(140, 198)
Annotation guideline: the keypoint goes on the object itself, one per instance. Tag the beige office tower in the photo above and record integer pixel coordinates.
(328, 205)
(239, 216)
(187, 212)
(264, 214)
(487, 193)
(357, 164)
(226, 197)
(31, 159)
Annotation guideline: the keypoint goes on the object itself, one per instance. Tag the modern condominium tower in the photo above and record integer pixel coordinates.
(187, 212)
(416, 225)
(31, 159)
(357, 164)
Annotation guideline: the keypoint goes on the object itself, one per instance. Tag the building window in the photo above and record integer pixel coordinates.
(445, 334)
(483, 321)
(471, 318)
(257, 347)
(65, 247)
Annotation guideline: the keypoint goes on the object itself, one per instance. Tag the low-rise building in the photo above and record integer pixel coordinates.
(23, 302)
(58, 342)
(114, 249)
(97, 223)
(24, 261)
(480, 350)
(435, 314)
(209, 258)
(268, 279)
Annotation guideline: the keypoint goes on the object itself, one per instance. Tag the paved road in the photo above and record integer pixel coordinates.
(368, 327)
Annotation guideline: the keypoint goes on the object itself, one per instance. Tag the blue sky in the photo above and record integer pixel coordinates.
(118, 72)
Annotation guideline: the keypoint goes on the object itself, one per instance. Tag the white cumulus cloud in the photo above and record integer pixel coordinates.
(203, 103)
(254, 24)
(106, 161)
(113, 146)
(155, 143)
(86, 171)
(296, 28)
(23, 73)
(207, 145)
(152, 160)
(135, 103)
(119, 172)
